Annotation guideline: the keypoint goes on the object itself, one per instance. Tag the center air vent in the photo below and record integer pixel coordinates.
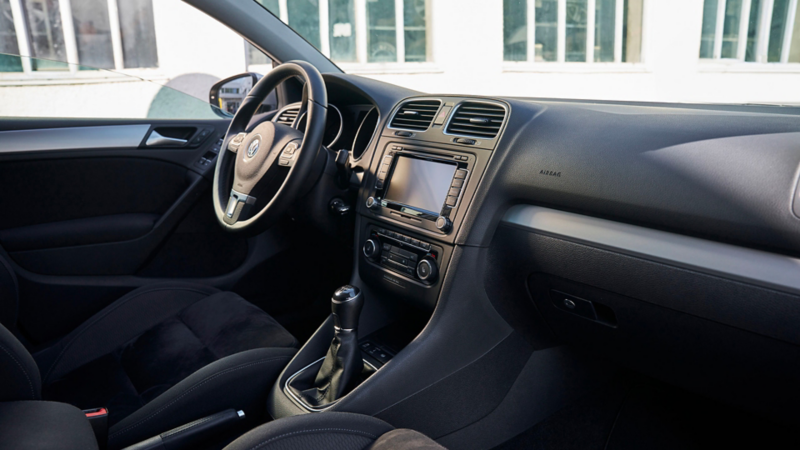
(477, 119)
(416, 115)
(288, 115)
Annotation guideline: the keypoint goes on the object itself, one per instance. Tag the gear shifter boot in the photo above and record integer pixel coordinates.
(341, 368)
(343, 363)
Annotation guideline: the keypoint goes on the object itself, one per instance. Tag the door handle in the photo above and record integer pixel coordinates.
(157, 140)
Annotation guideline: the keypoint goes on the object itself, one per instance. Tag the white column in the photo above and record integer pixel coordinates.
(744, 23)
(530, 18)
(764, 23)
(116, 34)
(591, 8)
(324, 32)
(400, 35)
(619, 16)
(284, 11)
(787, 32)
(561, 39)
(361, 31)
(21, 28)
(70, 41)
(719, 28)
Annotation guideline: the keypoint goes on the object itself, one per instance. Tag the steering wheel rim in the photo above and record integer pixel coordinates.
(243, 162)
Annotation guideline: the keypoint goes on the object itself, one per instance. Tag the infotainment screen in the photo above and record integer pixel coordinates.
(420, 183)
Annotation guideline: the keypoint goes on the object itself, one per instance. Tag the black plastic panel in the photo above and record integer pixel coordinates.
(722, 338)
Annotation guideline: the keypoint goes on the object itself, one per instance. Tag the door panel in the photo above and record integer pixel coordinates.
(92, 211)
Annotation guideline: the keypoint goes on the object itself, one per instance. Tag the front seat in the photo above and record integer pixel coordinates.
(332, 431)
(157, 358)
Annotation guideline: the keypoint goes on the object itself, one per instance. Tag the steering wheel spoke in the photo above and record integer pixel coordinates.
(236, 142)
(237, 202)
(289, 154)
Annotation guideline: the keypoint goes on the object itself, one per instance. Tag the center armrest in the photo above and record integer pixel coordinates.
(38, 424)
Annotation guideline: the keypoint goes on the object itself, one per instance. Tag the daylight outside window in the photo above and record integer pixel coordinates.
(718, 51)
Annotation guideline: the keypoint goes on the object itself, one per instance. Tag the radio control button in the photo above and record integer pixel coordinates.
(454, 192)
(451, 200)
(458, 183)
(461, 174)
(387, 160)
(444, 224)
(372, 203)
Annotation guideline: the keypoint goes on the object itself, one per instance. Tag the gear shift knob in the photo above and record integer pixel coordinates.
(346, 305)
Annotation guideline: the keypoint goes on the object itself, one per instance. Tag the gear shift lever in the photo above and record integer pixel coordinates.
(346, 305)
(343, 362)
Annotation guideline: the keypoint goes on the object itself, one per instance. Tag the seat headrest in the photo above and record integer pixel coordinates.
(9, 294)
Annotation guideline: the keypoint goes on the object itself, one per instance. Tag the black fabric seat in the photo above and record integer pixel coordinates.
(157, 358)
(332, 431)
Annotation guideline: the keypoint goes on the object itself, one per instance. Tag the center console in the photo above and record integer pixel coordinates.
(417, 186)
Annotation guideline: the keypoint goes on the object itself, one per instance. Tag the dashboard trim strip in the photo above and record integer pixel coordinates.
(749, 265)
(72, 138)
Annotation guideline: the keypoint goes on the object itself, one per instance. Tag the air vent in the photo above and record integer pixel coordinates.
(475, 119)
(288, 115)
(416, 115)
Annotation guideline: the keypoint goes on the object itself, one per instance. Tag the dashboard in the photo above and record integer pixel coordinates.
(602, 221)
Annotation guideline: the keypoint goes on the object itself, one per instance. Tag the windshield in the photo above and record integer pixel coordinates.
(698, 51)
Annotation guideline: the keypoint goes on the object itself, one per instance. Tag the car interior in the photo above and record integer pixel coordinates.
(368, 266)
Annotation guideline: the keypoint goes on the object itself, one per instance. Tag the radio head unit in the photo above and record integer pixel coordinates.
(420, 186)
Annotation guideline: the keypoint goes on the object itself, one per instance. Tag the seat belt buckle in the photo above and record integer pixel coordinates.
(98, 418)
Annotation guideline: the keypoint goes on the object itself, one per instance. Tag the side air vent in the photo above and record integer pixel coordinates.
(416, 115)
(476, 119)
(288, 115)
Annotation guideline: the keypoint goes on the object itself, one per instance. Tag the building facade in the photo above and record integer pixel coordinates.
(740, 51)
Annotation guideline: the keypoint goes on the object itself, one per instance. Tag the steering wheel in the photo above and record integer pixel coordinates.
(263, 167)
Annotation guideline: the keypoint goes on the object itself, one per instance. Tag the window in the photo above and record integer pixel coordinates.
(105, 34)
(751, 30)
(572, 30)
(9, 47)
(360, 31)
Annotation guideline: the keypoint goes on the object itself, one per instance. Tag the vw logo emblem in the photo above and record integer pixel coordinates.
(253, 148)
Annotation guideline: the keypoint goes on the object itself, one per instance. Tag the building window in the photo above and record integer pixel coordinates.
(360, 31)
(137, 33)
(68, 35)
(751, 30)
(9, 47)
(572, 30)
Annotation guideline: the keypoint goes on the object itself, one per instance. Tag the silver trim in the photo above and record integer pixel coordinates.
(415, 99)
(72, 138)
(479, 138)
(300, 117)
(157, 140)
(301, 402)
(235, 199)
(744, 264)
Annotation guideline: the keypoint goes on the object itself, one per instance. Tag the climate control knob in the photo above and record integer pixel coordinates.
(427, 270)
(372, 249)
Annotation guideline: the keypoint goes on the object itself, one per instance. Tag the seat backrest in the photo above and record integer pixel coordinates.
(9, 294)
(19, 375)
